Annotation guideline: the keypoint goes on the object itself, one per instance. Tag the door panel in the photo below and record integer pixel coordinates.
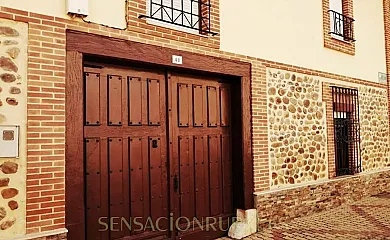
(116, 184)
(135, 101)
(212, 108)
(184, 105)
(198, 105)
(126, 152)
(204, 172)
(154, 108)
(227, 170)
(92, 99)
(114, 100)
(201, 177)
(215, 175)
(93, 182)
(224, 94)
(186, 176)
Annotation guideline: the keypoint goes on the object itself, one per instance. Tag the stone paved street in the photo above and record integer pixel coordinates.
(365, 219)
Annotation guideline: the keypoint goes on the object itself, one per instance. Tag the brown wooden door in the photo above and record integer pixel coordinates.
(125, 152)
(149, 165)
(200, 150)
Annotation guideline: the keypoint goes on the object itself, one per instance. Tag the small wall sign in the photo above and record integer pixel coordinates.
(9, 141)
(382, 77)
(177, 59)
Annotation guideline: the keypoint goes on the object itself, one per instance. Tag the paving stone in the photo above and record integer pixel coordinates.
(368, 219)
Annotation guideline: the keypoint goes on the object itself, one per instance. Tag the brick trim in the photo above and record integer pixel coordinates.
(386, 16)
(329, 41)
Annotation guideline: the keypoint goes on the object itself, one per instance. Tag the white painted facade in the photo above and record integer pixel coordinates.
(111, 13)
(291, 32)
(285, 31)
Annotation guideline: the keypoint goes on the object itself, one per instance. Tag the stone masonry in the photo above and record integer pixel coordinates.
(374, 128)
(297, 132)
(13, 87)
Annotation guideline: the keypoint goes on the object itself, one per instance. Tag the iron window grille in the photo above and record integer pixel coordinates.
(191, 14)
(342, 26)
(346, 131)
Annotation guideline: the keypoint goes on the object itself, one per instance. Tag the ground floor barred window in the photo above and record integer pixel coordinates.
(346, 130)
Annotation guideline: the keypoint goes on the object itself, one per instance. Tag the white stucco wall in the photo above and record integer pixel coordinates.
(291, 32)
(111, 13)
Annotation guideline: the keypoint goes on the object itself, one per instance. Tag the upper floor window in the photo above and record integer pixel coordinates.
(341, 25)
(193, 15)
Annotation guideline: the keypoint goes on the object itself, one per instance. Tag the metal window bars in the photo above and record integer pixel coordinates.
(342, 26)
(346, 130)
(192, 14)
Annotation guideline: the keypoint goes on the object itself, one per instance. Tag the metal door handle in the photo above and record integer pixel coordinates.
(175, 183)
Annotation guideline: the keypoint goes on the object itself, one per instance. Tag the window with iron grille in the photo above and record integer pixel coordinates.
(341, 26)
(346, 130)
(188, 14)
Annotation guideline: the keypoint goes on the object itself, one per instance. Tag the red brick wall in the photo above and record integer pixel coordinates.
(386, 16)
(46, 99)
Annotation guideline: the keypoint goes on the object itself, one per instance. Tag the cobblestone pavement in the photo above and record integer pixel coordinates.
(366, 219)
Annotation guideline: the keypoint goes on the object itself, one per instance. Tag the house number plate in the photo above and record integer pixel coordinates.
(177, 59)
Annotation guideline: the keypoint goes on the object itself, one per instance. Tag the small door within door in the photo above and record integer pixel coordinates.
(201, 157)
(125, 153)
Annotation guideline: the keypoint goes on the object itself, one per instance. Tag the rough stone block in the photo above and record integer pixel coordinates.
(246, 224)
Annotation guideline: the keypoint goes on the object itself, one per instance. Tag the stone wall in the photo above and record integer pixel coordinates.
(284, 205)
(297, 128)
(374, 128)
(13, 97)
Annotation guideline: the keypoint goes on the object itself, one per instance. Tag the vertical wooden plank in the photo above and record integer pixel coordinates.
(126, 184)
(137, 183)
(145, 197)
(92, 98)
(114, 100)
(115, 146)
(215, 176)
(187, 192)
(103, 100)
(202, 185)
(184, 104)
(104, 183)
(198, 105)
(164, 223)
(226, 161)
(93, 187)
(74, 174)
(212, 108)
(155, 178)
(225, 106)
(135, 101)
(154, 102)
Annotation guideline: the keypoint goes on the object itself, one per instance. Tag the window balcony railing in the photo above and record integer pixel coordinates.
(341, 25)
(191, 14)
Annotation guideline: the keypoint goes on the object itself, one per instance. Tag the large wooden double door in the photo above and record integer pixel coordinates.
(158, 154)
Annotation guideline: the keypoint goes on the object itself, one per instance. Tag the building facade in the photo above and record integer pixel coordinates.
(165, 110)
